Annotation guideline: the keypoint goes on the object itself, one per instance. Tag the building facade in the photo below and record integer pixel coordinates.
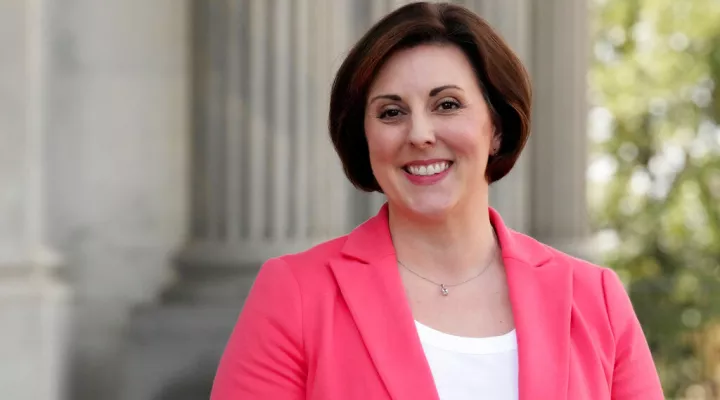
(160, 151)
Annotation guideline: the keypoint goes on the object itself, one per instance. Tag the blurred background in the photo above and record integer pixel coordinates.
(154, 153)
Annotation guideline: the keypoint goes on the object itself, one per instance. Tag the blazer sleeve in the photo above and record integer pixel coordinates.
(264, 357)
(634, 374)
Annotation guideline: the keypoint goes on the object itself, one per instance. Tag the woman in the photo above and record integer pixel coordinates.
(434, 298)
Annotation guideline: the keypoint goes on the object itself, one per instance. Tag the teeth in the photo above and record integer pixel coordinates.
(431, 169)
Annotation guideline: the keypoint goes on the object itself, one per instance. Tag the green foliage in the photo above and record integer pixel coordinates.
(655, 169)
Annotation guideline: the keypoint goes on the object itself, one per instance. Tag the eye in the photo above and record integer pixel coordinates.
(389, 113)
(448, 105)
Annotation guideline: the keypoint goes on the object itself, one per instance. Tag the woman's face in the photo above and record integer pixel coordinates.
(429, 131)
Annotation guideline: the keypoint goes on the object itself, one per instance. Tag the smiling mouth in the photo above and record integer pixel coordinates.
(428, 170)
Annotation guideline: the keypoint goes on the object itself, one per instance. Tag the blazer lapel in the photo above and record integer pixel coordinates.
(541, 298)
(370, 283)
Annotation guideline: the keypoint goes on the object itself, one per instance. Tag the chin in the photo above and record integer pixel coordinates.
(430, 208)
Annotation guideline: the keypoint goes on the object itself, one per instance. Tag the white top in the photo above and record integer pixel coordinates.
(467, 368)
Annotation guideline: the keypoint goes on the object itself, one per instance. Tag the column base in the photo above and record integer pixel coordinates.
(34, 316)
(172, 350)
(173, 347)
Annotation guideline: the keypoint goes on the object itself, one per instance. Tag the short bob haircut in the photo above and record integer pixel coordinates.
(501, 75)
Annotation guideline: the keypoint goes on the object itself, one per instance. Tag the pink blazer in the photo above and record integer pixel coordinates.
(333, 323)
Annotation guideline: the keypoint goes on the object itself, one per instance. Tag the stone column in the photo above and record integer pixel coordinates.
(117, 107)
(559, 151)
(33, 301)
(266, 180)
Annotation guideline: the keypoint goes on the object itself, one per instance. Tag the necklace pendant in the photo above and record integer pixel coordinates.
(444, 290)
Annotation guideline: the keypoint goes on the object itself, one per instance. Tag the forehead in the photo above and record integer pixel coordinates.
(425, 67)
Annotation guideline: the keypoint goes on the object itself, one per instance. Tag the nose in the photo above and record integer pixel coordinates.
(422, 134)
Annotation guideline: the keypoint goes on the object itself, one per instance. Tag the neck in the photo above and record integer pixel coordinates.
(449, 248)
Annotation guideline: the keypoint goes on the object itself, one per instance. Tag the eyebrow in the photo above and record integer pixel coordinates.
(439, 89)
(433, 92)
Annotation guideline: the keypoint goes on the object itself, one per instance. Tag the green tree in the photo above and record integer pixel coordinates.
(655, 174)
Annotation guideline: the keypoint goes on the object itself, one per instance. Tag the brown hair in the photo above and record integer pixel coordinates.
(500, 73)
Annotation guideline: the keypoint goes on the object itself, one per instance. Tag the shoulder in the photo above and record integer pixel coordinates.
(604, 317)
(315, 257)
(584, 272)
(591, 283)
(596, 290)
(590, 277)
(307, 268)
(287, 281)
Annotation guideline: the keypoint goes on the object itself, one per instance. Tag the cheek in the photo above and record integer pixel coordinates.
(383, 142)
(466, 139)
(467, 142)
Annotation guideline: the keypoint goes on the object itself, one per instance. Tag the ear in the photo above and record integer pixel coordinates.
(495, 143)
